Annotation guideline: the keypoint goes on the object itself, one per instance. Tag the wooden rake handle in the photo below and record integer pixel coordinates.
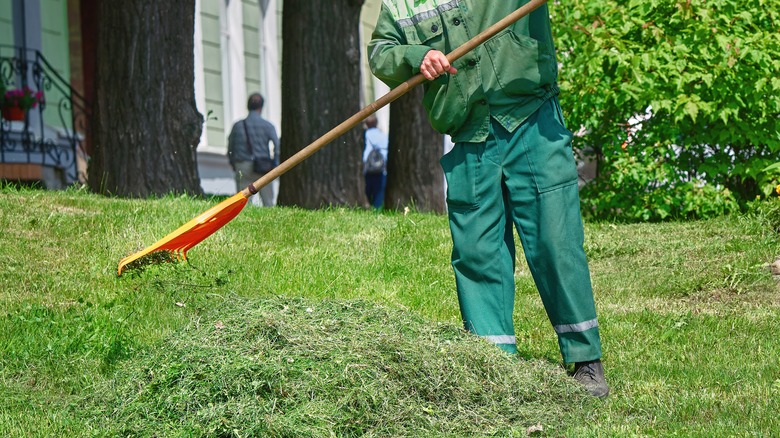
(394, 94)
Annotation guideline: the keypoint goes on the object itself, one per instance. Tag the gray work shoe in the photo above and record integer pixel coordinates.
(591, 376)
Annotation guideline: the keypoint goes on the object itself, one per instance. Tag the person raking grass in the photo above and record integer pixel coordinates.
(512, 163)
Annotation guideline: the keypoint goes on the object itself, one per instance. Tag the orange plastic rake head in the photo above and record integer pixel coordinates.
(193, 232)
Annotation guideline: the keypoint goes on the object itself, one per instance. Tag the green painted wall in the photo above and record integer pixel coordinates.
(6, 28)
(55, 48)
(251, 31)
(212, 73)
(218, 129)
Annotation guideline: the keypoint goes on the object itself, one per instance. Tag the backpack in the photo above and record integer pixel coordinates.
(375, 163)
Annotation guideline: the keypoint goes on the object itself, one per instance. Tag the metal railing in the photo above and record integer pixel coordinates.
(53, 134)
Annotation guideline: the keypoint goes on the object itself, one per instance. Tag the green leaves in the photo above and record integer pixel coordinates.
(708, 72)
(769, 179)
(690, 109)
(644, 185)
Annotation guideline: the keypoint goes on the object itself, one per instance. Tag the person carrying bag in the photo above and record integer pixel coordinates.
(253, 149)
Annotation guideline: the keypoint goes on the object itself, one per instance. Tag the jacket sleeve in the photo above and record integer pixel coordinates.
(232, 146)
(390, 57)
(277, 147)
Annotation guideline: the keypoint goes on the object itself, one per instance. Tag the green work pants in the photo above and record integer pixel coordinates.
(527, 178)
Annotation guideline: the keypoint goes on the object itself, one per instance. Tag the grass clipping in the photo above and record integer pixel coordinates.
(291, 367)
(153, 258)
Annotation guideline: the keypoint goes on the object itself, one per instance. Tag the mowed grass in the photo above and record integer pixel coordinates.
(340, 322)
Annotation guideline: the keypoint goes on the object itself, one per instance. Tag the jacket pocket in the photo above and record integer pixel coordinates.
(522, 65)
(445, 105)
(426, 32)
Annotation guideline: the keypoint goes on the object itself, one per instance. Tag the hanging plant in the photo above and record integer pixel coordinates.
(22, 98)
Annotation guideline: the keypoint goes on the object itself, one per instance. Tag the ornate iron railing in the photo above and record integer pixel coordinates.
(54, 133)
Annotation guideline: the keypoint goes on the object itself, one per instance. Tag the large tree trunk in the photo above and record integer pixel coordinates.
(414, 176)
(146, 124)
(320, 89)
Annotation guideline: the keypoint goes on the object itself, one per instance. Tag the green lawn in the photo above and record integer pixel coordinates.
(289, 322)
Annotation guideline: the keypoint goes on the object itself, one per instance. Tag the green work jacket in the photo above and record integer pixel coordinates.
(507, 77)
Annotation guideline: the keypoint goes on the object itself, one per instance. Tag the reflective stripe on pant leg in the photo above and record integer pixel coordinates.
(482, 260)
(573, 328)
(541, 177)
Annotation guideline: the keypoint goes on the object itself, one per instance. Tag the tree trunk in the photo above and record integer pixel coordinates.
(146, 124)
(321, 89)
(414, 176)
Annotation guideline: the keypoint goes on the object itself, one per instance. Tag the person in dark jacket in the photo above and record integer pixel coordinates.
(253, 138)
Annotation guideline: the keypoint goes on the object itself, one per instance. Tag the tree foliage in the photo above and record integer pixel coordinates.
(674, 97)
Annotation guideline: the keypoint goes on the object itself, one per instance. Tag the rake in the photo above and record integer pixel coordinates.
(177, 243)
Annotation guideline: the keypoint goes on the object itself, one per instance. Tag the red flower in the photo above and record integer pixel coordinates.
(23, 98)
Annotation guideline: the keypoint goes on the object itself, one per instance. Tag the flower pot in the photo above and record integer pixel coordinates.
(13, 113)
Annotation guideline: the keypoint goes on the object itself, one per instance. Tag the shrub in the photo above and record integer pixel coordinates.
(646, 186)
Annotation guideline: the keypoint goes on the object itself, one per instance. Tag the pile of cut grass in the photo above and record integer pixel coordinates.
(298, 367)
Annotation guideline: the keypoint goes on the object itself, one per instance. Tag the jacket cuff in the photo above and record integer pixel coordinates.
(414, 56)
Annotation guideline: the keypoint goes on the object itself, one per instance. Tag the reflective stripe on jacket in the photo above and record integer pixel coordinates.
(508, 77)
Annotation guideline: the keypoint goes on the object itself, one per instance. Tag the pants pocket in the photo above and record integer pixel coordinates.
(550, 154)
(461, 170)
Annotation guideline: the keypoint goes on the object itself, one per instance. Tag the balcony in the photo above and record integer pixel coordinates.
(49, 145)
